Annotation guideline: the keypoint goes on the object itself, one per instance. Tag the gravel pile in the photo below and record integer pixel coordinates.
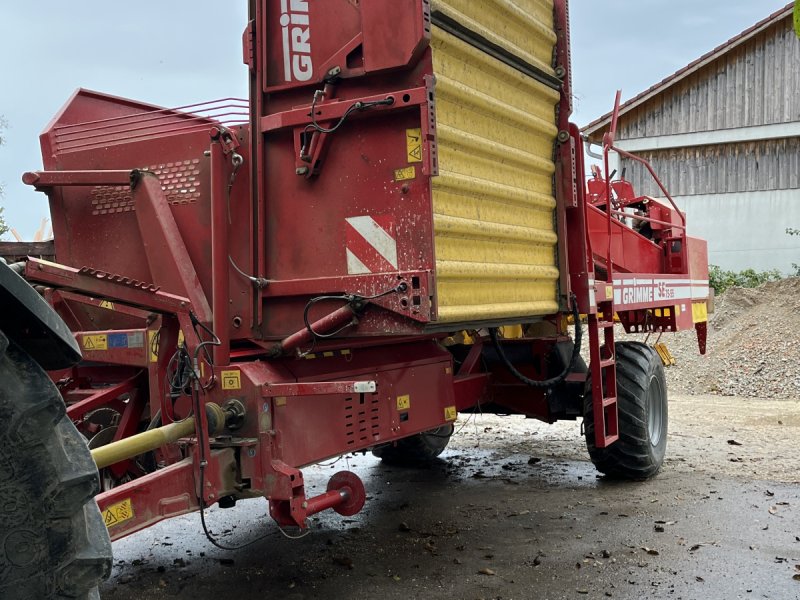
(753, 346)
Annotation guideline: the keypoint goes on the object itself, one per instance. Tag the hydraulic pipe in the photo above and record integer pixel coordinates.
(220, 281)
(146, 441)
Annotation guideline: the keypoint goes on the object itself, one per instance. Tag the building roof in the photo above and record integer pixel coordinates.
(693, 67)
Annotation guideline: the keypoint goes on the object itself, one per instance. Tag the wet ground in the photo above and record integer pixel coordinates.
(515, 510)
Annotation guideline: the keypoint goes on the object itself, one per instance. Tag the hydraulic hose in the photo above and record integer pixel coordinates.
(546, 383)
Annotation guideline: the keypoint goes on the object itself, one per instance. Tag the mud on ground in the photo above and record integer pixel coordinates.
(515, 510)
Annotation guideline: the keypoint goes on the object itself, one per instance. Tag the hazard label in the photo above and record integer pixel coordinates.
(231, 380)
(95, 342)
(403, 402)
(450, 413)
(405, 174)
(107, 304)
(152, 343)
(414, 145)
(118, 513)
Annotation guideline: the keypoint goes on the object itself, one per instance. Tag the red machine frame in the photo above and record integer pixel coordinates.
(293, 380)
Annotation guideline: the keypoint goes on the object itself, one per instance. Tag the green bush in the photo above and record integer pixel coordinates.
(721, 280)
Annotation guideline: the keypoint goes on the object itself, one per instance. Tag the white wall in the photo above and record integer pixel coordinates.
(746, 230)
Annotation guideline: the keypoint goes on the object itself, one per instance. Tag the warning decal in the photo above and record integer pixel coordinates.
(118, 513)
(404, 402)
(370, 244)
(95, 342)
(231, 380)
(107, 304)
(450, 413)
(414, 145)
(405, 173)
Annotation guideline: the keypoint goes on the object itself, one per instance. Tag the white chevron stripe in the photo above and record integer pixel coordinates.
(376, 237)
(355, 266)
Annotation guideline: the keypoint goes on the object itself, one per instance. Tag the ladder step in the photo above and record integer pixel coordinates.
(607, 362)
(605, 324)
(610, 439)
(609, 401)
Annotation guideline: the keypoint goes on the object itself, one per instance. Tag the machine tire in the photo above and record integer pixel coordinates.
(642, 407)
(53, 542)
(416, 450)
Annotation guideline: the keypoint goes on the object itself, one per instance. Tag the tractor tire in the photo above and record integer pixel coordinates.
(416, 450)
(53, 542)
(642, 407)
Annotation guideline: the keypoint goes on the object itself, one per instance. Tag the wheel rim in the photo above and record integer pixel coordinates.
(655, 411)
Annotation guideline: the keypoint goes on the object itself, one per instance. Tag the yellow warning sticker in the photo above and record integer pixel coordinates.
(118, 513)
(450, 413)
(152, 345)
(181, 338)
(405, 174)
(414, 145)
(404, 402)
(95, 342)
(231, 380)
(699, 312)
(107, 304)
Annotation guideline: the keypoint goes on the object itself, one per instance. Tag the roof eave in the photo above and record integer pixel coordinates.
(691, 68)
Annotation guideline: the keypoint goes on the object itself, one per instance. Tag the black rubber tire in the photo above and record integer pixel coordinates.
(643, 416)
(416, 450)
(53, 543)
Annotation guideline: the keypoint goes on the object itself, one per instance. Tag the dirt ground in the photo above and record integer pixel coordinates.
(514, 510)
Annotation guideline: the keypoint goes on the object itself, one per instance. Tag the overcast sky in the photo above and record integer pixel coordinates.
(178, 52)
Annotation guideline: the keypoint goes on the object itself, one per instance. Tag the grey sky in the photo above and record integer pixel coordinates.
(178, 52)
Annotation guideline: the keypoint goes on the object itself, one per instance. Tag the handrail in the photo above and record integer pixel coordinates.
(649, 167)
(648, 219)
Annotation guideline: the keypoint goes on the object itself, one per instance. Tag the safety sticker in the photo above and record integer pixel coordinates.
(699, 312)
(231, 380)
(405, 174)
(152, 343)
(95, 342)
(370, 244)
(107, 304)
(450, 413)
(118, 513)
(136, 339)
(404, 402)
(414, 145)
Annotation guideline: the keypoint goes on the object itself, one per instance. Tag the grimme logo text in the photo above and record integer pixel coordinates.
(296, 34)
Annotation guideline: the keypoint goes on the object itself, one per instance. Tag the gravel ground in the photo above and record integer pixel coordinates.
(753, 347)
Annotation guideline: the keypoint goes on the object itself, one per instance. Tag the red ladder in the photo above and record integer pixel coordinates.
(602, 362)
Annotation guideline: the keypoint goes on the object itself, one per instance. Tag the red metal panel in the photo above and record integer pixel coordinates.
(304, 40)
(631, 252)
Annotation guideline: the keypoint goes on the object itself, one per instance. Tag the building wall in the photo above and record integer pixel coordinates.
(746, 230)
(757, 83)
(724, 169)
(741, 190)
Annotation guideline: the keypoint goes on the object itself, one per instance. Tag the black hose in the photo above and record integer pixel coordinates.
(546, 383)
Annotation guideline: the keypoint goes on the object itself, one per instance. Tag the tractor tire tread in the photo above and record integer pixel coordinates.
(53, 542)
(632, 456)
(416, 450)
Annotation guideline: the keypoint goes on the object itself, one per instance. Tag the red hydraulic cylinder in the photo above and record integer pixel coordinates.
(326, 324)
(220, 283)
